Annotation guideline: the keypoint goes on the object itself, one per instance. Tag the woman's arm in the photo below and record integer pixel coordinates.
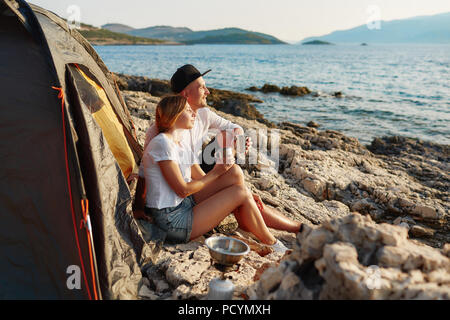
(197, 172)
(172, 173)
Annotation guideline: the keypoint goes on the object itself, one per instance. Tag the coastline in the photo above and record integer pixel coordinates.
(396, 186)
(365, 111)
(93, 42)
(243, 104)
(109, 42)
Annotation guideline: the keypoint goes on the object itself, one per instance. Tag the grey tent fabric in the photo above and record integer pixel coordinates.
(55, 159)
(32, 165)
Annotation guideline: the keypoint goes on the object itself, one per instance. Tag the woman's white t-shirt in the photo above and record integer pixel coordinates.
(205, 121)
(159, 194)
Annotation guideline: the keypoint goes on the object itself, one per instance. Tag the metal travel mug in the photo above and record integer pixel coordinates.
(220, 289)
(224, 155)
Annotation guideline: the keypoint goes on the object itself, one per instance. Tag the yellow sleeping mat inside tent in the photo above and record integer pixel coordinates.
(112, 130)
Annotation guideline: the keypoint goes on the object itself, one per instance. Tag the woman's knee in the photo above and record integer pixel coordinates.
(246, 196)
(237, 175)
(240, 192)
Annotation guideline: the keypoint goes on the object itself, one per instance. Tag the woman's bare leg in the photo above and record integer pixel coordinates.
(209, 213)
(272, 217)
(250, 219)
(232, 177)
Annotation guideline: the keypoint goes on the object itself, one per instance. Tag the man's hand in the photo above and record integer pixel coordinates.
(140, 214)
(139, 200)
(259, 202)
(225, 139)
(248, 141)
(248, 144)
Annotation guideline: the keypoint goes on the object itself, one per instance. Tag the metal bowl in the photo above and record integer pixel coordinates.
(226, 250)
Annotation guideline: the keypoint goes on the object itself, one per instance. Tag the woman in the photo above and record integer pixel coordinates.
(172, 183)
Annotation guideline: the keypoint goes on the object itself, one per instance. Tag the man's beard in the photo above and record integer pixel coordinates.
(204, 103)
(201, 104)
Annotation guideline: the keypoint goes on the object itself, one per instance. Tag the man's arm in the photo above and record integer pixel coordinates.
(151, 132)
(139, 200)
(217, 122)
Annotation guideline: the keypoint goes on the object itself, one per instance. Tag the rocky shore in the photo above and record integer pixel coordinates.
(234, 103)
(377, 221)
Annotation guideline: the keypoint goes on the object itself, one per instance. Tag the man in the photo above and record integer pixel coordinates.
(188, 82)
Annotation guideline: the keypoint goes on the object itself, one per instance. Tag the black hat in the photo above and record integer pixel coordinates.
(183, 76)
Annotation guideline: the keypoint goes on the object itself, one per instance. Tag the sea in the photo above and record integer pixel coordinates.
(386, 89)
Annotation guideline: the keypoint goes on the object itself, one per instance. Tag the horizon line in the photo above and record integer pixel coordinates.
(279, 38)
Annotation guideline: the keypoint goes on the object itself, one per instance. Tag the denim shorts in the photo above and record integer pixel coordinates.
(175, 221)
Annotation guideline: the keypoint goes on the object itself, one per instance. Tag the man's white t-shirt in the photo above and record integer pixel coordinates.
(159, 194)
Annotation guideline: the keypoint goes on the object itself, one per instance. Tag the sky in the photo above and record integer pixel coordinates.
(288, 20)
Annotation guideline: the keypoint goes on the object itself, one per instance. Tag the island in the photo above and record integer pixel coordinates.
(317, 42)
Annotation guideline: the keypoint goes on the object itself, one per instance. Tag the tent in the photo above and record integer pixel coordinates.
(68, 152)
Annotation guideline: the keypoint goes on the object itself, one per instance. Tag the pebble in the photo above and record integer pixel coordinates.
(419, 231)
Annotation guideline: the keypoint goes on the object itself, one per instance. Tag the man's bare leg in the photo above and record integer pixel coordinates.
(275, 219)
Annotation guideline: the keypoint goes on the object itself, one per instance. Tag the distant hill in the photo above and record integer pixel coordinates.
(98, 36)
(233, 38)
(188, 36)
(161, 32)
(423, 29)
(117, 27)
